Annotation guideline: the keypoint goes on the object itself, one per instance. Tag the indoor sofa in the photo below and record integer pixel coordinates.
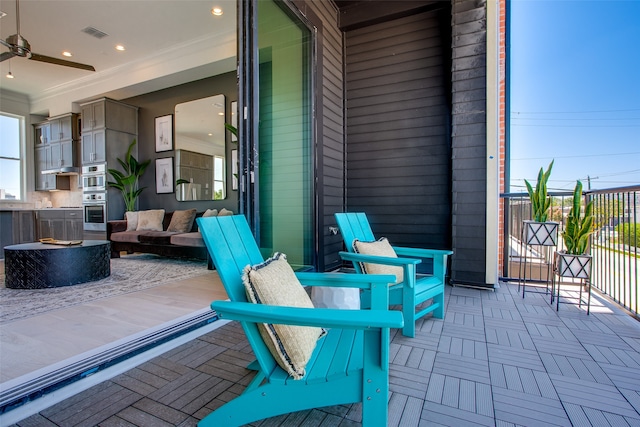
(172, 234)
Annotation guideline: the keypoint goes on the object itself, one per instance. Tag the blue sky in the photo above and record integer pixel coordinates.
(575, 92)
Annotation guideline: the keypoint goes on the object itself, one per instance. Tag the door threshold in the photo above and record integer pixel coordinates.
(26, 395)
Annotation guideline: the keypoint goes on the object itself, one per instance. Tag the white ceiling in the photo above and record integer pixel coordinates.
(168, 42)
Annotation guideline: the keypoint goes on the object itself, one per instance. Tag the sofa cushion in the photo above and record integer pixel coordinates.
(210, 212)
(126, 236)
(182, 221)
(150, 220)
(156, 237)
(132, 220)
(187, 239)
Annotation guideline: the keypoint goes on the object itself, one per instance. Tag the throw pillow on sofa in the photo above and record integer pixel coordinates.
(182, 221)
(225, 212)
(132, 220)
(210, 212)
(150, 220)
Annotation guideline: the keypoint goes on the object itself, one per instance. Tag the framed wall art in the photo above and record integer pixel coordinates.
(164, 133)
(164, 175)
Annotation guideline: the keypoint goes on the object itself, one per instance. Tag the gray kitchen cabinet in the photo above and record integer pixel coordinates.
(50, 224)
(105, 125)
(93, 115)
(55, 147)
(42, 134)
(73, 225)
(59, 224)
(94, 147)
(63, 128)
(41, 157)
(17, 226)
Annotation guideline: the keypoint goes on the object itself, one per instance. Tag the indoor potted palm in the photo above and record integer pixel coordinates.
(539, 231)
(574, 261)
(127, 181)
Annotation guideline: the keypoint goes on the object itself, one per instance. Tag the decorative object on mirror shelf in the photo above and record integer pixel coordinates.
(127, 182)
(164, 133)
(179, 182)
(164, 175)
(574, 261)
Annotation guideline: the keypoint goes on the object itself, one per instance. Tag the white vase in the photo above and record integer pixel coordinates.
(541, 233)
(329, 297)
(575, 266)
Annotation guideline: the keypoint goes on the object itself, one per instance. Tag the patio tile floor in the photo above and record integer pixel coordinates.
(496, 360)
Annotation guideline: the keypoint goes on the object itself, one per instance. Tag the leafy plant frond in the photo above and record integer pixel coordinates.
(127, 181)
(540, 201)
(231, 128)
(578, 227)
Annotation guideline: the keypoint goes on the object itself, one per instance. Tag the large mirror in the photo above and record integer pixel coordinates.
(200, 149)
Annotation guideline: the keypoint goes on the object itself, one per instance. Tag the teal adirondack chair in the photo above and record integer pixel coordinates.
(350, 364)
(416, 288)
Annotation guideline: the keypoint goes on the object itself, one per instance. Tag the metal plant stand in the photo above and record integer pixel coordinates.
(577, 270)
(537, 245)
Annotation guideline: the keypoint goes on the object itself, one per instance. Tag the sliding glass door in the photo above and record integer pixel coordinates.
(278, 153)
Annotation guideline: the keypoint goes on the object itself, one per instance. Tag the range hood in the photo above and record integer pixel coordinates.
(67, 170)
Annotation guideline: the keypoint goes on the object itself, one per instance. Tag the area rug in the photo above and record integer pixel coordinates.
(130, 273)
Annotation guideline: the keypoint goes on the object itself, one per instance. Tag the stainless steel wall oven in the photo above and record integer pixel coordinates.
(94, 197)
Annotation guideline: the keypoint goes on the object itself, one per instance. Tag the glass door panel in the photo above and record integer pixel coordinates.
(283, 171)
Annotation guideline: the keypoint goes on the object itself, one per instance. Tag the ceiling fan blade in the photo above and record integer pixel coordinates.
(56, 61)
(6, 55)
(4, 43)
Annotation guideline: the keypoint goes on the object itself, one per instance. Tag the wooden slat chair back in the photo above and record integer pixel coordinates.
(415, 289)
(349, 365)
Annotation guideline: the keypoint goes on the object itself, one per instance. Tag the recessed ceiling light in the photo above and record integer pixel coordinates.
(216, 11)
(67, 54)
(2, 14)
(120, 47)
(210, 134)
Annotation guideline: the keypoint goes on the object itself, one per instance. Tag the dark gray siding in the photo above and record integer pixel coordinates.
(398, 149)
(469, 141)
(330, 134)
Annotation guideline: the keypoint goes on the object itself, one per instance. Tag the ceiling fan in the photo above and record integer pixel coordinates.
(19, 46)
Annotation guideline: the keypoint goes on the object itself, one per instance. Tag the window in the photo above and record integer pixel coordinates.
(218, 178)
(10, 157)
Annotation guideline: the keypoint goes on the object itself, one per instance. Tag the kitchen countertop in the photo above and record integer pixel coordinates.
(39, 209)
(58, 209)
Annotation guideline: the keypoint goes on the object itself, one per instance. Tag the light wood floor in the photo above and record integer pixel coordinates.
(31, 346)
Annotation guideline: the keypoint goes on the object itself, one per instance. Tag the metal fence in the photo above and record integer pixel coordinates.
(614, 245)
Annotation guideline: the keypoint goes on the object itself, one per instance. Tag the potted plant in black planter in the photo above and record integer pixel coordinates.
(539, 231)
(574, 261)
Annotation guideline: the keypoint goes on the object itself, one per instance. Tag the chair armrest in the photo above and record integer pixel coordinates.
(116, 226)
(319, 317)
(422, 253)
(342, 280)
(374, 259)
